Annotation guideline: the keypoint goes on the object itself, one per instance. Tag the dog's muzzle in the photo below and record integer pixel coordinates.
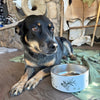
(52, 47)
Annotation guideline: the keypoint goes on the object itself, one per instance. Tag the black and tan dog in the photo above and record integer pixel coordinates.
(42, 51)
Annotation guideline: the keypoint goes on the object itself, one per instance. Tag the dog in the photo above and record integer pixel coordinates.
(42, 50)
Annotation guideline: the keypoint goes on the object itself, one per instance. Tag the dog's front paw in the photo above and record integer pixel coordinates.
(32, 83)
(16, 89)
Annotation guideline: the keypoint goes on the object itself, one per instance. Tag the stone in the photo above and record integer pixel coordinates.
(0, 35)
(56, 1)
(51, 9)
(12, 32)
(55, 21)
(5, 35)
(8, 38)
(47, 0)
(58, 12)
(18, 45)
(39, 7)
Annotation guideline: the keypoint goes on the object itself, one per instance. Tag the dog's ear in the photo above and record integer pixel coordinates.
(19, 29)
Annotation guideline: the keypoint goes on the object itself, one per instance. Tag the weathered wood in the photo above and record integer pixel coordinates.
(89, 26)
(62, 18)
(97, 19)
(39, 7)
(10, 25)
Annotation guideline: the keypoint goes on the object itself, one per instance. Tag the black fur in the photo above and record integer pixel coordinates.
(44, 34)
(42, 49)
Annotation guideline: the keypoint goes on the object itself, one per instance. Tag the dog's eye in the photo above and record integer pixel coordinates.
(35, 28)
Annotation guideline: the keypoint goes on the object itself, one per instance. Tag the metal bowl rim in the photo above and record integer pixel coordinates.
(72, 75)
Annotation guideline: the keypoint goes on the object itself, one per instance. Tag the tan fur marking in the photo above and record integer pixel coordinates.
(30, 63)
(38, 24)
(32, 45)
(34, 81)
(49, 25)
(50, 63)
(40, 75)
(32, 49)
(18, 87)
(26, 39)
(24, 78)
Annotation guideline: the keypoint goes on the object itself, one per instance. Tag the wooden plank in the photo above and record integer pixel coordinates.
(97, 19)
(10, 25)
(89, 26)
(62, 18)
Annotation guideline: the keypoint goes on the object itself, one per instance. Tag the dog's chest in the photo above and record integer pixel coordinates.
(46, 60)
(50, 60)
(42, 60)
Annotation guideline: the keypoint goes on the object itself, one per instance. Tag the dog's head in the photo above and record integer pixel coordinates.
(37, 33)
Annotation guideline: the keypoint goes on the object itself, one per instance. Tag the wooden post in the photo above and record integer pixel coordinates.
(97, 19)
(78, 27)
(62, 18)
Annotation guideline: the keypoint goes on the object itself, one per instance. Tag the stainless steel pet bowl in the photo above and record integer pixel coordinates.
(70, 77)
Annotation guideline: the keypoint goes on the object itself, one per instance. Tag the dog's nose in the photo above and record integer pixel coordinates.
(53, 46)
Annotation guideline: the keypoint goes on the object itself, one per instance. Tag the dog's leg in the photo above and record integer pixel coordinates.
(18, 87)
(33, 82)
(70, 51)
(30, 70)
(69, 48)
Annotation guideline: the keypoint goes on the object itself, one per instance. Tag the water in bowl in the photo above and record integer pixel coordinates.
(69, 73)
